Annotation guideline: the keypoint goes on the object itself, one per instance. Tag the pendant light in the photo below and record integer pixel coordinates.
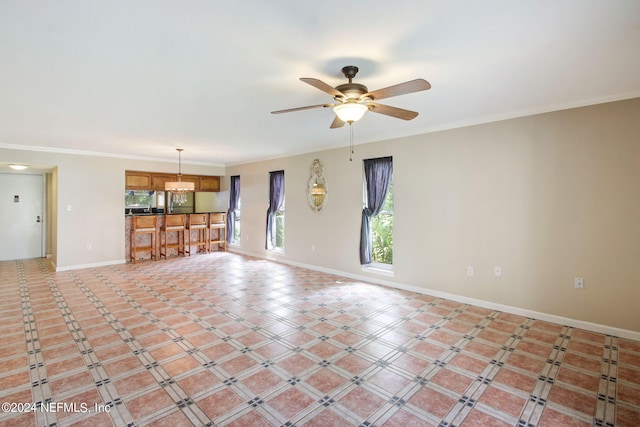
(179, 189)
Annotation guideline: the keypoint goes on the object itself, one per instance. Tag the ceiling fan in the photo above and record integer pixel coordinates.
(354, 99)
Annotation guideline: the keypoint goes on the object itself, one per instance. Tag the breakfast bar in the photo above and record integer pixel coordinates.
(163, 222)
(156, 235)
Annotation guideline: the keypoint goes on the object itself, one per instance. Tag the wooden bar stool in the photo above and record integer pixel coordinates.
(218, 222)
(197, 222)
(143, 224)
(173, 224)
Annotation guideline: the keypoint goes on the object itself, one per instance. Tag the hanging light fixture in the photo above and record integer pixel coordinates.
(179, 189)
(350, 111)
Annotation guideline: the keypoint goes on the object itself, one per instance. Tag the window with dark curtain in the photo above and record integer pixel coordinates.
(234, 198)
(276, 201)
(377, 175)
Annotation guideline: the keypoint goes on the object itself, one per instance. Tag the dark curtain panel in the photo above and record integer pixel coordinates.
(377, 175)
(276, 197)
(234, 197)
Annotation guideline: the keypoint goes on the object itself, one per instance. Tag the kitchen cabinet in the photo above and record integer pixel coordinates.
(158, 180)
(209, 183)
(192, 178)
(137, 180)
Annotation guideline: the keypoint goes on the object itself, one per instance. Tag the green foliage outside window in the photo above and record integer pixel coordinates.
(138, 198)
(236, 228)
(279, 217)
(382, 232)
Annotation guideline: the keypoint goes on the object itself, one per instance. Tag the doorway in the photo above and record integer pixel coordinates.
(21, 216)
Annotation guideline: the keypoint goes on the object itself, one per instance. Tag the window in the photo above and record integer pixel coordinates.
(382, 231)
(233, 215)
(236, 224)
(275, 214)
(376, 232)
(139, 198)
(280, 227)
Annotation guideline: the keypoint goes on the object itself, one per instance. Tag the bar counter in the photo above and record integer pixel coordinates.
(143, 240)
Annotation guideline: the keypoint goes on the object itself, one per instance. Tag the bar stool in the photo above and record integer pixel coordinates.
(172, 224)
(143, 224)
(218, 222)
(197, 222)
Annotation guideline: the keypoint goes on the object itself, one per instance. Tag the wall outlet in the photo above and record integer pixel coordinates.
(470, 271)
(578, 282)
(88, 246)
(313, 248)
(497, 271)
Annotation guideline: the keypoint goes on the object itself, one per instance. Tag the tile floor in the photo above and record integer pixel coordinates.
(227, 340)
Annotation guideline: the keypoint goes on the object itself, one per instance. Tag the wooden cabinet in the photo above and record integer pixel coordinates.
(158, 180)
(209, 183)
(137, 180)
(192, 178)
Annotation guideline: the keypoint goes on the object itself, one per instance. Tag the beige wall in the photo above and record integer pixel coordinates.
(211, 202)
(547, 198)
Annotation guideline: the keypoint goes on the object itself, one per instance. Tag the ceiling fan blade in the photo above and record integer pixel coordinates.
(309, 107)
(319, 84)
(337, 123)
(396, 112)
(400, 89)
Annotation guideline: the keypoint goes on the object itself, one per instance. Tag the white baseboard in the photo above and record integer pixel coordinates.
(580, 324)
(91, 265)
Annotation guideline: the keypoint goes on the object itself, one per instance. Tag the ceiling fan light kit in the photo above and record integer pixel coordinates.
(350, 111)
(352, 100)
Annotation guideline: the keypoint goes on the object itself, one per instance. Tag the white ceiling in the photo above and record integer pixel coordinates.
(141, 78)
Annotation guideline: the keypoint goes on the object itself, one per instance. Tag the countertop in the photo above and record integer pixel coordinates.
(163, 214)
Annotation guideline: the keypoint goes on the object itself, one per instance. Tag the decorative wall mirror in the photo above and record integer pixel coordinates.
(317, 187)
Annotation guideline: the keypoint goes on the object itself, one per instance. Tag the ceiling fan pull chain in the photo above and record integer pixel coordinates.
(351, 142)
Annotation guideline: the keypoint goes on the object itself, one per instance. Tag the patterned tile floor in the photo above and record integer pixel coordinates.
(227, 340)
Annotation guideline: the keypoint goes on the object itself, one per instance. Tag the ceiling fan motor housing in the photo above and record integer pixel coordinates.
(351, 90)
